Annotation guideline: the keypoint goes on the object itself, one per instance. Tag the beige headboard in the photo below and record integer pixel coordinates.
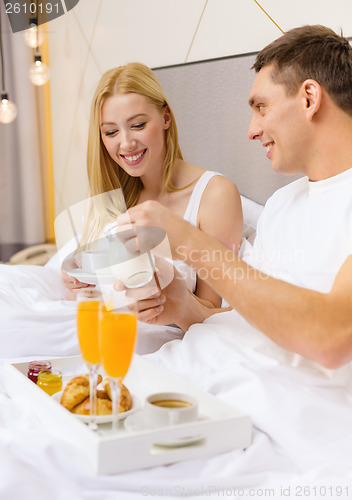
(210, 102)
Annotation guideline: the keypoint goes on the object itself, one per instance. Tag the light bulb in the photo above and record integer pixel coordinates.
(8, 109)
(38, 72)
(33, 36)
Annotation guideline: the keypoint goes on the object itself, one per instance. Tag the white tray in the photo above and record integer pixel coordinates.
(221, 427)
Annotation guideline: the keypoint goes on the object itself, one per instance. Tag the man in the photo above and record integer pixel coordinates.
(302, 114)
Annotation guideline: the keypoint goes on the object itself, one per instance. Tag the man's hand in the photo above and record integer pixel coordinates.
(152, 213)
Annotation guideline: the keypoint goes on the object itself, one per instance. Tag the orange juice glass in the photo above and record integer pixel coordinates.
(88, 310)
(118, 331)
(87, 329)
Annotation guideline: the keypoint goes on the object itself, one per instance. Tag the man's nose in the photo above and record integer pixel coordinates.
(254, 130)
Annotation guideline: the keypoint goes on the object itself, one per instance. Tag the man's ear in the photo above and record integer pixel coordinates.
(167, 117)
(311, 93)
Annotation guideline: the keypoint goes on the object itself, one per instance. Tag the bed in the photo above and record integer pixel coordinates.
(301, 413)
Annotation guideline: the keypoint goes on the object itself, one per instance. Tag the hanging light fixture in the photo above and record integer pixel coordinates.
(38, 72)
(34, 35)
(8, 110)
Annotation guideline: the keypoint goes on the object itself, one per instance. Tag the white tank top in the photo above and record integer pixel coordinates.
(191, 215)
(192, 209)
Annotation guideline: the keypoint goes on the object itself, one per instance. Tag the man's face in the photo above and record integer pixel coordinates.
(278, 121)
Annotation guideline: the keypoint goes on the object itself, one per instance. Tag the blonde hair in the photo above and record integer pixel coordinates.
(104, 174)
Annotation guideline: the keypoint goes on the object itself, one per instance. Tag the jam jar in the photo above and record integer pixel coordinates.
(50, 382)
(35, 367)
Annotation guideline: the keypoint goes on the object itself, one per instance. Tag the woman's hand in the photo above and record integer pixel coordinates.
(72, 284)
(159, 307)
(174, 304)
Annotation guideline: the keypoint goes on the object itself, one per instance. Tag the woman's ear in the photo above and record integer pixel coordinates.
(312, 96)
(167, 118)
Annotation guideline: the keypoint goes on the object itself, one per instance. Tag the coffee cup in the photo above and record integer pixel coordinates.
(93, 260)
(134, 272)
(170, 408)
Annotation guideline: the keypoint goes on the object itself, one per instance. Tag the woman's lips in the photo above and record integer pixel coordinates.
(134, 159)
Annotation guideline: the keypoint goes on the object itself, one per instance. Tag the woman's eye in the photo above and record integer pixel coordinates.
(139, 126)
(110, 133)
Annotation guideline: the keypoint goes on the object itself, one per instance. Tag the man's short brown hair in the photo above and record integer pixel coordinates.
(314, 52)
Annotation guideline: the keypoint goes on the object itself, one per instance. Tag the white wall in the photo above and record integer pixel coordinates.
(100, 34)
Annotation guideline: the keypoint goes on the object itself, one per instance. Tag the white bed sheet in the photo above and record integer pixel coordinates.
(36, 320)
(302, 414)
(301, 417)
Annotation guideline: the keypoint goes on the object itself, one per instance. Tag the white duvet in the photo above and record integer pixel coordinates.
(302, 415)
(36, 320)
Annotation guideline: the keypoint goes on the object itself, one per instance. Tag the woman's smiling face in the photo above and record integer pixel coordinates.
(133, 132)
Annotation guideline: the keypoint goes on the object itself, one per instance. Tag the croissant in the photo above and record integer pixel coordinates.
(125, 397)
(76, 391)
(104, 407)
(76, 397)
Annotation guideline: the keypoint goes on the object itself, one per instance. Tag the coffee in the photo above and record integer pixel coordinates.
(170, 408)
(171, 403)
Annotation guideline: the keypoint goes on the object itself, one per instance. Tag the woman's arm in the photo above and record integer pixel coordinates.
(72, 284)
(220, 215)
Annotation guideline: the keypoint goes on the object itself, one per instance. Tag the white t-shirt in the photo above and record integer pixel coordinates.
(304, 234)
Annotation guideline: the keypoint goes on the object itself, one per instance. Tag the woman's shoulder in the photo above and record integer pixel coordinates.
(187, 173)
(220, 196)
(216, 185)
(219, 185)
(220, 211)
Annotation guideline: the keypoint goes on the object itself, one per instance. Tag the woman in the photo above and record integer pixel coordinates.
(133, 145)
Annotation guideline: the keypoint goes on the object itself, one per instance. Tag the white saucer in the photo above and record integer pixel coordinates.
(136, 280)
(104, 419)
(91, 278)
(137, 423)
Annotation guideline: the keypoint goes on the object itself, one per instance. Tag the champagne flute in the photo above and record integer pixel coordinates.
(117, 332)
(88, 308)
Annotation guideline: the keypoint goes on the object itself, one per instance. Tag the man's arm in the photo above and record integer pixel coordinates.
(174, 304)
(315, 325)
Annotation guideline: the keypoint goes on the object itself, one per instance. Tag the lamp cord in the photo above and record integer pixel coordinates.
(271, 19)
(2, 58)
(196, 30)
(37, 32)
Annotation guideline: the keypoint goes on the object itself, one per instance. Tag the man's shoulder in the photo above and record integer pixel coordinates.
(288, 192)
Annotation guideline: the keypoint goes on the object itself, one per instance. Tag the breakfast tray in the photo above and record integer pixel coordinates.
(220, 427)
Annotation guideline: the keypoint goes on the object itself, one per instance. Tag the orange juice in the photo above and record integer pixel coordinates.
(117, 340)
(88, 330)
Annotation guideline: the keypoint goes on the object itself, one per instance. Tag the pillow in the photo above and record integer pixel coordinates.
(251, 214)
